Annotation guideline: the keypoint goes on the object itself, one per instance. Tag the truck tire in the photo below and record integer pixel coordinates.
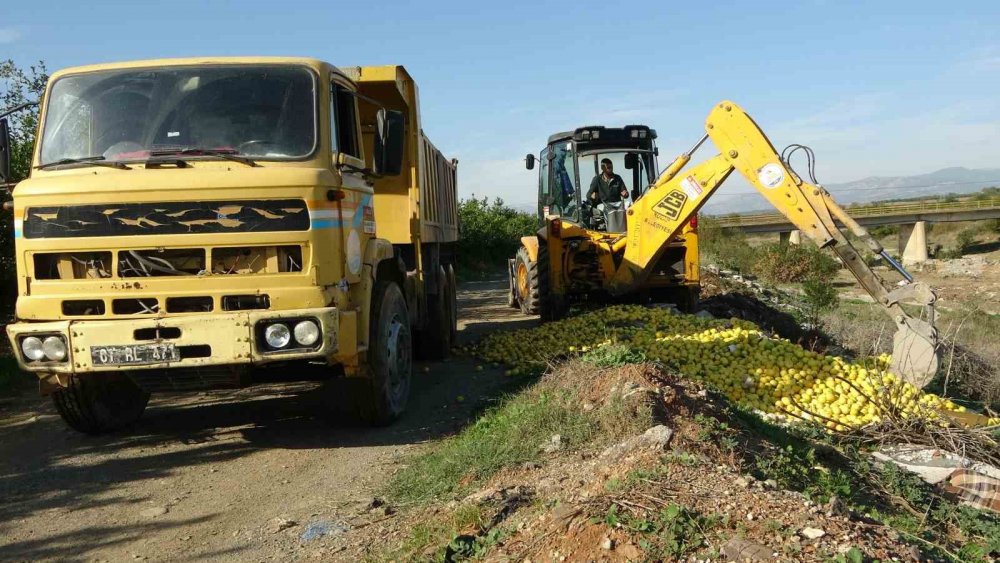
(100, 403)
(526, 282)
(550, 307)
(436, 336)
(381, 398)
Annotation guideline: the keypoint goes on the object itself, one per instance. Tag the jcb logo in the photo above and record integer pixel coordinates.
(670, 206)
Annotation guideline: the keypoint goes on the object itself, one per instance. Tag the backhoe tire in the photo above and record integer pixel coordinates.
(526, 282)
(380, 398)
(436, 338)
(100, 403)
(550, 307)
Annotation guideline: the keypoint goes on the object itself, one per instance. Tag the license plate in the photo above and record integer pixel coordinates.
(133, 354)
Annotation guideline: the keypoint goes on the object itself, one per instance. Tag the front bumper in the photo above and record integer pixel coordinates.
(203, 340)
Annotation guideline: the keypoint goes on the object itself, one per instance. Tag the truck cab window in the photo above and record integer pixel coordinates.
(344, 112)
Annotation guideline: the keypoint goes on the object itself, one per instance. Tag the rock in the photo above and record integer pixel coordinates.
(531, 465)
(483, 495)
(154, 512)
(739, 549)
(608, 544)
(553, 445)
(322, 528)
(658, 436)
(770, 484)
(703, 314)
(588, 406)
(563, 516)
(750, 516)
(280, 524)
(373, 503)
(811, 533)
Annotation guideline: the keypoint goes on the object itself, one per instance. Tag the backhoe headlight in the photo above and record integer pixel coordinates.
(54, 348)
(277, 335)
(306, 333)
(31, 347)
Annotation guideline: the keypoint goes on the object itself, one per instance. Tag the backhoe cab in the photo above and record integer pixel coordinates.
(567, 168)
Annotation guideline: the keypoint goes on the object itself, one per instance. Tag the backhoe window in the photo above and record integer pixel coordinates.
(563, 197)
(266, 112)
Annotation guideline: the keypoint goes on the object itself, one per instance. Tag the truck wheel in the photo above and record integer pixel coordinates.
(526, 282)
(550, 307)
(380, 398)
(100, 403)
(436, 336)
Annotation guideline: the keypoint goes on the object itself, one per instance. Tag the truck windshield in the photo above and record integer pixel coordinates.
(267, 112)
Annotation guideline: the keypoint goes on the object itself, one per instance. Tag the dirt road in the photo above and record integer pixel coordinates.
(254, 474)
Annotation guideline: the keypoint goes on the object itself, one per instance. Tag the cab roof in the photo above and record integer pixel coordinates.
(600, 136)
(313, 63)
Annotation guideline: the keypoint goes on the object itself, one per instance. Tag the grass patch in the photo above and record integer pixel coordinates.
(506, 435)
(669, 534)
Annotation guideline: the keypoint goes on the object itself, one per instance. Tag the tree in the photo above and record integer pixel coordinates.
(17, 86)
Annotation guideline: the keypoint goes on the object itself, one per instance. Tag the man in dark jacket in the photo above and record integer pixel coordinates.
(607, 186)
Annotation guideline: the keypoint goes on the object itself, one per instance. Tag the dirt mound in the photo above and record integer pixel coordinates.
(681, 488)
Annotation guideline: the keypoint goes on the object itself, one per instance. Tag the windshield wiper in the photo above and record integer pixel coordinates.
(225, 154)
(90, 160)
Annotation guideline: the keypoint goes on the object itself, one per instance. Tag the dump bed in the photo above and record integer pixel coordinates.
(421, 204)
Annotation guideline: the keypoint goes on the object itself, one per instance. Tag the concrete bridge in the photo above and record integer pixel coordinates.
(911, 217)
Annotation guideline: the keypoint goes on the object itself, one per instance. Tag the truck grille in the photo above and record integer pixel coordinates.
(165, 218)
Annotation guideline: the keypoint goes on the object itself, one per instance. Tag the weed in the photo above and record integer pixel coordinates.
(613, 355)
(671, 533)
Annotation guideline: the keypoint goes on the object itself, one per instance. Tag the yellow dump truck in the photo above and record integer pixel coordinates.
(190, 222)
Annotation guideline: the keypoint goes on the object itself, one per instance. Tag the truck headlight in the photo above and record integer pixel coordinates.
(277, 335)
(31, 347)
(54, 348)
(306, 333)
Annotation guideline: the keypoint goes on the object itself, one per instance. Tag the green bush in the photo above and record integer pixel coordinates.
(784, 263)
(490, 233)
(965, 239)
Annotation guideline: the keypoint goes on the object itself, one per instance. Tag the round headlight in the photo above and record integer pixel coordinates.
(54, 348)
(306, 333)
(277, 335)
(32, 348)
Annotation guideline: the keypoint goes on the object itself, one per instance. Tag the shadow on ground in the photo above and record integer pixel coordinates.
(48, 472)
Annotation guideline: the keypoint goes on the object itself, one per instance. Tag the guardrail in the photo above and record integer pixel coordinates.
(884, 210)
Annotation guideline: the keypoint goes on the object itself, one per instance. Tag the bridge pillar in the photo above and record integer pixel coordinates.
(913, 242)
(790, 237)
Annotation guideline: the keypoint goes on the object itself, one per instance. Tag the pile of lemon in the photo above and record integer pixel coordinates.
(753, 369)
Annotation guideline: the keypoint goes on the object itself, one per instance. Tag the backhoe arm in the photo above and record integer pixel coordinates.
(674, 198)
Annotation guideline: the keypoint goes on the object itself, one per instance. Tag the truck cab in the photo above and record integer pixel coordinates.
(191, 222)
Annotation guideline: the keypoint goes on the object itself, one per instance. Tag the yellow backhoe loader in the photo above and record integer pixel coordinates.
(570, 260)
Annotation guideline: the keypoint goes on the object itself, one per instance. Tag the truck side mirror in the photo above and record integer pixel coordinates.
(631, 160)
(529, 162)
(389, 143)
(4, 152)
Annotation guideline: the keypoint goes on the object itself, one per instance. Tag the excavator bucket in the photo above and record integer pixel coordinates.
(914, 352)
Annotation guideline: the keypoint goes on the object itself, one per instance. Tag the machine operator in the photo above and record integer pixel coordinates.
(607, 186)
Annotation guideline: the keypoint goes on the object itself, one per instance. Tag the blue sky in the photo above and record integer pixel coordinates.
(877, 88)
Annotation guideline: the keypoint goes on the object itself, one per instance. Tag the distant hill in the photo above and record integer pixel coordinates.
(947, 180)
(955, 180)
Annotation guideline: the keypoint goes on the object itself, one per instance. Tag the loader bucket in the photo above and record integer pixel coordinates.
(914, 352)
